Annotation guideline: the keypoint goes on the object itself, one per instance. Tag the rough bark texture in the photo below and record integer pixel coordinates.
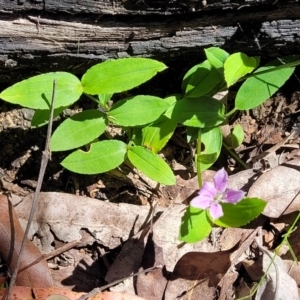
(41, 36)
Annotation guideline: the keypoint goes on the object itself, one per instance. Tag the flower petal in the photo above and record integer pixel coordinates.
(208, 190)
(216, 210)
(203, 202)
(233, 196)
(221, 180)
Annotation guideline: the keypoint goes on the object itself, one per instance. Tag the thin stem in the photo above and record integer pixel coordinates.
(44, 162)
(231, 112)
(198, 161)
(93, 99)
(235, 156)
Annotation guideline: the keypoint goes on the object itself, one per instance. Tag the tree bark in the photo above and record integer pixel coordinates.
(42, 36)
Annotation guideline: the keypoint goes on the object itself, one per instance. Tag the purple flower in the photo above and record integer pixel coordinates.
(211, 195)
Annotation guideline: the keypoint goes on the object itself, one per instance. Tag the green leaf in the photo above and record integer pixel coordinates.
(78, 130)
(41, 117)
(202, 112)
(151, 165)
(207, 158)
(195, 226)
(241, 213)
(237, 136)
(156, 135)
(102, 157)
(216, 57)
(201, 80)
(238, 65)
(192, 134)
(119, 75)
(36, 92)
(257, 89)
(103, 99)
(138, 110)
(211, 138)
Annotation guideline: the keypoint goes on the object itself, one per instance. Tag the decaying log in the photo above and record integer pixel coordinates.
(42, 36)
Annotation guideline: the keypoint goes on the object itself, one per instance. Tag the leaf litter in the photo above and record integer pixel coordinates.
(121, 237)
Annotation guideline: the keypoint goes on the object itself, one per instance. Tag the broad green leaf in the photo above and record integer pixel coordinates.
(257, 89)
(241, 213)
(78, 130)
(41, 117)
(156, 135)
(202, 80)
(36, 92)
(119, 75)
(151, 165)
(207, 158)
(103, 99)
(202, 112)
(237, 136)
(238, 65)
(102, 157)
(195, 225)
(192, 134)
(187, 77)
(138, 110)
(172, 99)
(216, 56)
(211, 138)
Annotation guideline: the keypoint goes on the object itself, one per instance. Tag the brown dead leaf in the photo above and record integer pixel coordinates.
(278, 284)
(293, 269)
(197, 274)
(42, 294)
(115, 296)
(253, 268)
(280, 188)
(19, 293)
(151, 285)
(33, 270)
(64, 215)
(226, 284)
(129, 259)
(26, 293)
(82, 272)
(242, 180)
(165, 235)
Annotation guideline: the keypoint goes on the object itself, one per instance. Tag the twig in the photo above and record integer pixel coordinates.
(98, 290)
(44, 162)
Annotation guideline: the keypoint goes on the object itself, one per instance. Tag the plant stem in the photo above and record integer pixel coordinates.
(92, 98)
(44, 162)
(198, 161)
(235, 156)
(231, 113)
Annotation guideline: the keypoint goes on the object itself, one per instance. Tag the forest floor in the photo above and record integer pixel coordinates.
(114, 243)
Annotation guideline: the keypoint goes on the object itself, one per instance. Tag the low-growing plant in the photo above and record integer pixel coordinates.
(150, 121)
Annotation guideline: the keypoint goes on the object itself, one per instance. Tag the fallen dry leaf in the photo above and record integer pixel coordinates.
(64, 215)
(280, 188)
(115, 296)
(165, 235)
(226, 284)
(151, 285)
(293, 269)
(197, 275)
(26, 293)
(33, 270)
(42, 294)
(129, 259)
(19, 293)
(278, 284)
